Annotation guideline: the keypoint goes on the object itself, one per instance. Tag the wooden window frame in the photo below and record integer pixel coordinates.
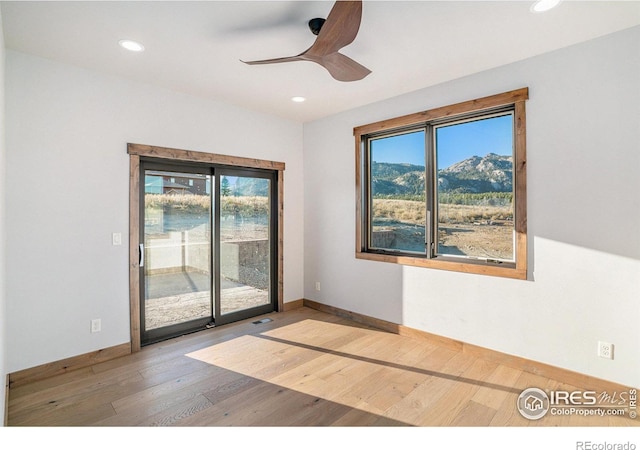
(516, 99)
(139, 151)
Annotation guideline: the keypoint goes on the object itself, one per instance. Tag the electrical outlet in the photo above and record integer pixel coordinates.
(116, 238)
(317, 285)
(605, 350)
(96, 325)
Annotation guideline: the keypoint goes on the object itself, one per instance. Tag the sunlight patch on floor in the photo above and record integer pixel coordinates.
(335, 362)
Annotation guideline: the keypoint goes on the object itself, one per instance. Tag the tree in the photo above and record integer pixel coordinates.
(224, 187)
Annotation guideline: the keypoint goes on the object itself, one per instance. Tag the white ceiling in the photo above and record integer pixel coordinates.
(196, 47)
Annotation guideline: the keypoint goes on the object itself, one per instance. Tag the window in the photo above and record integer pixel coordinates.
(446, 188)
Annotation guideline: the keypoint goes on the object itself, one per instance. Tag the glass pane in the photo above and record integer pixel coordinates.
(397, 191)
(244, 243)
(475, 188)
(177, 235)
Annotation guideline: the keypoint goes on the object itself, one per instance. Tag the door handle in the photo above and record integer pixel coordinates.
(141, 255)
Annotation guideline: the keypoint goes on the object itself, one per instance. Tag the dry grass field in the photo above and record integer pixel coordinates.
(478, 230)
(243, 206)
(410, 211)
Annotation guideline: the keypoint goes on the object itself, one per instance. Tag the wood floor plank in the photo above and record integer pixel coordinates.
(54, 382)
(181, 411)
(387, 386)
(358, 416)
(473, 414)
(169, 414)
(91, 387)
(248, 407)
(84, 413)
(297, 409)
(444, 367)
(170, 388)
(490, 395)
(449, 405)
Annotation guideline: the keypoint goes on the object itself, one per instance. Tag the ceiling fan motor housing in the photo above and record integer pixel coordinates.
(315, 25)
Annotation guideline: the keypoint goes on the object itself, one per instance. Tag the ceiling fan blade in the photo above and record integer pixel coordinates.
(341, 67)
(340, 28)
(274, 60)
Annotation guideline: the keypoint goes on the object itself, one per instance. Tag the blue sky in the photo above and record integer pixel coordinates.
(404, 148)
(454, 143)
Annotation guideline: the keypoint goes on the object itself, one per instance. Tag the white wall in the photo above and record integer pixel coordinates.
(3, 315)
(67, 178)
(583, 187)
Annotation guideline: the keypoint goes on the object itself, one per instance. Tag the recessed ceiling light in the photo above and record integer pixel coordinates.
(298, 99)
(132, 46)
(544, 5)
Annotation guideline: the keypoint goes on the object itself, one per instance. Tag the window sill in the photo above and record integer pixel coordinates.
(506, 270)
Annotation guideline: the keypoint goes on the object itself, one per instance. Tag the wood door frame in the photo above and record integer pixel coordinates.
(140, 151)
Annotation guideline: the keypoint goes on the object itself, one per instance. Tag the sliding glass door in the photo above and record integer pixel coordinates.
(245, 250)
(207, 253)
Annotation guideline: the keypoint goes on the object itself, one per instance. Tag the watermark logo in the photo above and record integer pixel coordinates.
(533, 403)
(589, 445)
(633, 403)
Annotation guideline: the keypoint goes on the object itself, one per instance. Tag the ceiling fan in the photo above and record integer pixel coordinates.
(338, 30)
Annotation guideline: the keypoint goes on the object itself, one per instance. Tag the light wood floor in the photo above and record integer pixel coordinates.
(305, 368)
